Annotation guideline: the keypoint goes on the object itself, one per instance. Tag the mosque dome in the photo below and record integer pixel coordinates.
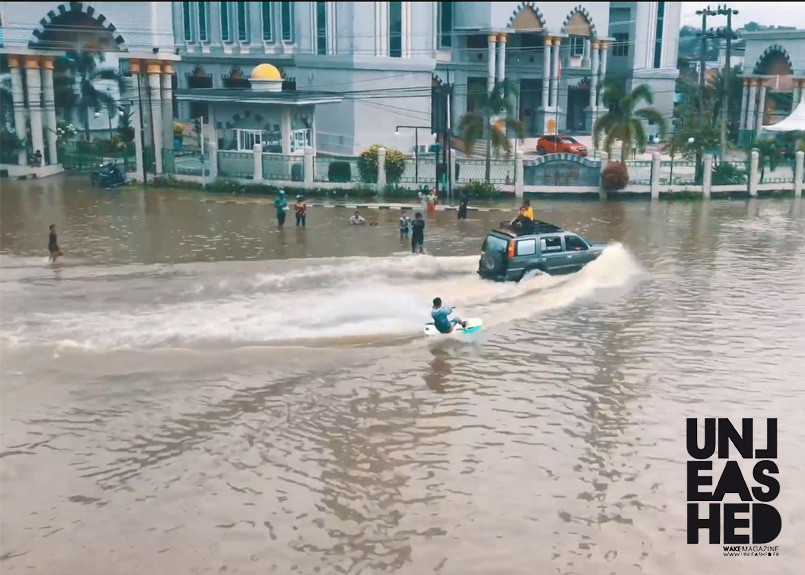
(266, 72)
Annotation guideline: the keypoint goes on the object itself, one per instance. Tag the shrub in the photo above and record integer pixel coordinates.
(479, 191)
(339, 172)
(615, 177)
(367, 164)
(725, 173)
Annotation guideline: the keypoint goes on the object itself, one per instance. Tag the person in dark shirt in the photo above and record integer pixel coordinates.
(462, 206)
(53, 244)
(418, 234)
(301, 211)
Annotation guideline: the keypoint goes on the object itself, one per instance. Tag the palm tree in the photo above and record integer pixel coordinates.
(623, 121)
(477, 125)
(82, 70)
(769, 155)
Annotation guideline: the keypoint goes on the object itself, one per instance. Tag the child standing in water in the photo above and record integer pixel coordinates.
(418, 235)
(53, 244)
(405, 223)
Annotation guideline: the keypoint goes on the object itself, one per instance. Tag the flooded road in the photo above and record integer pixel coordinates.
(192, 390)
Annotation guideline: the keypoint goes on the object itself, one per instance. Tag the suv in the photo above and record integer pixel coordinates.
(508, 256)
(560, 144)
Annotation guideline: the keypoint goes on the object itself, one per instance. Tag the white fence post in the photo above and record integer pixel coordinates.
(602, 193)
(518, 175)
(309, 166)
(381, 170)
(257, 152)
(212, 153)
(656, 167)
(754, 172)
(707, 177)
(798, 173)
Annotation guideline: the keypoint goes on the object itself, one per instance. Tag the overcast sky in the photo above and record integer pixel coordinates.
(768, 14)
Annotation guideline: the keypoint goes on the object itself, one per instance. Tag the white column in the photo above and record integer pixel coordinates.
(594, 77)
(49, 98)
(309, 166)
(656, 166)
(604, 48)
(166, 97)
(555, 74)
(35, 103)
(707, 176)
(381, 170)
(744, 104)
(490, 75)
(154, 71)
(257, 156)
(546, 73)
(501, 69)
(754, 172)
(285, 130)
(798, 169)
(136, 119)
(518, 174)
(751, 108)
(18, 97)
(212, 154)
(796, 95)
(761, 106)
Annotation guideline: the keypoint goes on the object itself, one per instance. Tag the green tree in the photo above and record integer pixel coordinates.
(78, 72)
(624, 120)
(769, 155)
(477, 125)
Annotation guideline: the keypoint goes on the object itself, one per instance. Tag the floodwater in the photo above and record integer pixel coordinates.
(191, 390)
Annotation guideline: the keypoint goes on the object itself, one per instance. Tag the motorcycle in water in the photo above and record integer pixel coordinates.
(108, 175)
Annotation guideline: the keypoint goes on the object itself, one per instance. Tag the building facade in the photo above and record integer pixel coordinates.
(773, 78)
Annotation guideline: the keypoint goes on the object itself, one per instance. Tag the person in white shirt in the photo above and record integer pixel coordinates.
(356, 219)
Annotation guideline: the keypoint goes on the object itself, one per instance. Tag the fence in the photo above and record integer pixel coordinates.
(185, 163)
(474, 170)
(280, 167)
(236, 164)
(87, 156)
(336, 169)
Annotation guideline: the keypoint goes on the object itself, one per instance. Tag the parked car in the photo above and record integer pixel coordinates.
(560, 145)
(507, 256)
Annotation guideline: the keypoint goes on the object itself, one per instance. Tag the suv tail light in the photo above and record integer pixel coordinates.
(510, 251)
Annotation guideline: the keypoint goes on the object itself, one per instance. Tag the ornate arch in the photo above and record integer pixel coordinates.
(68, 25)
(770, 53)
(247, 120)
(527, 17)
(573, 20)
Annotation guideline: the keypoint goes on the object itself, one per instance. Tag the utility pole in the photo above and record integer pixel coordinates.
(704, 13)
(730, 36)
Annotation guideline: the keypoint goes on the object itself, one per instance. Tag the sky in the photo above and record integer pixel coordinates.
(768, 14)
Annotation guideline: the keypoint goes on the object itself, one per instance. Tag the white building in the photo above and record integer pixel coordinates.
(383, 58)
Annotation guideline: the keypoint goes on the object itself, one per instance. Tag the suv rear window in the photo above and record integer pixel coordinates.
(494, 244)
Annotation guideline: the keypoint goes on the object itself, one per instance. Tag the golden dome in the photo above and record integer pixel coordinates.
(266, 72)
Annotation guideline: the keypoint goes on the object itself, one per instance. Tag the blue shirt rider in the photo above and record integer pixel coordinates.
(441, 319)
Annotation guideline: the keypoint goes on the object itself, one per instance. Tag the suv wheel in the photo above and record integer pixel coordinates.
(488, 262)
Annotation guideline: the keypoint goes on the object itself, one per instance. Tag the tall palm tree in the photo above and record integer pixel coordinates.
(769, 154)
(77, 90)
(623, 121)
(477, 124)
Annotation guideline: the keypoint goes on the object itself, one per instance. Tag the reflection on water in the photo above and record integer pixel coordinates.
(193, 390)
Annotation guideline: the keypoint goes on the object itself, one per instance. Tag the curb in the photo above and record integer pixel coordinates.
(367, 206)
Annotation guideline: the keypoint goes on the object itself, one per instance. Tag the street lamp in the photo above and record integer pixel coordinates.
(416, 148)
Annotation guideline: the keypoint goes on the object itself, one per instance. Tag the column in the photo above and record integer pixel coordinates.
(751, 107)
(799, 167)
(604, 46)
(707, 177)
(555, 74)
(166, 98)
(761, 107)
(49, 98)
(744, 104)
(285, 131)
(754, 172)
(35, 103)
(154, 71)
(490, 75)
(18, 97)
(594, 77)
(501, 70)
(136, 119)
(257, 157)
(546, 72)
(796, 96)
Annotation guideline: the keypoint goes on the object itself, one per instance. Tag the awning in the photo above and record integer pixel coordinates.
(793, 123)
(245, 96)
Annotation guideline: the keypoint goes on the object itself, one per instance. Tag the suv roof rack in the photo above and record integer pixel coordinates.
(539, 227)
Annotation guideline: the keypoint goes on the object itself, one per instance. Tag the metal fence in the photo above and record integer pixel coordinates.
(283, 167)
(419, 171)
(677, 172)
(87, 156)
(639, 172)
(337, 169)
(185, 162)
(474, 170)
(236, 164)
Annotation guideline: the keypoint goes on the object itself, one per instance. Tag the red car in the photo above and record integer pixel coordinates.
(560, 145)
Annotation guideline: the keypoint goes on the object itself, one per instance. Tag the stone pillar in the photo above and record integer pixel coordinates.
(381, 169)
(796, 95)
(798, 173)
(546, 73)
(285, 130)
(751, 106)
(212, 154)
(602, 194)
(18, 97)
(604, 49)
(166, 97)
(34, 82)
(518, 174)
(761, 107)
(490, 74)
(754, 172)
(501, 67)
(656, 167)
(154, 70)
(594, 78)
(309, 166)
(257, 156)
(555, 74)
(136, 119)
(707, 177)
(48, 95)
(744, 104)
